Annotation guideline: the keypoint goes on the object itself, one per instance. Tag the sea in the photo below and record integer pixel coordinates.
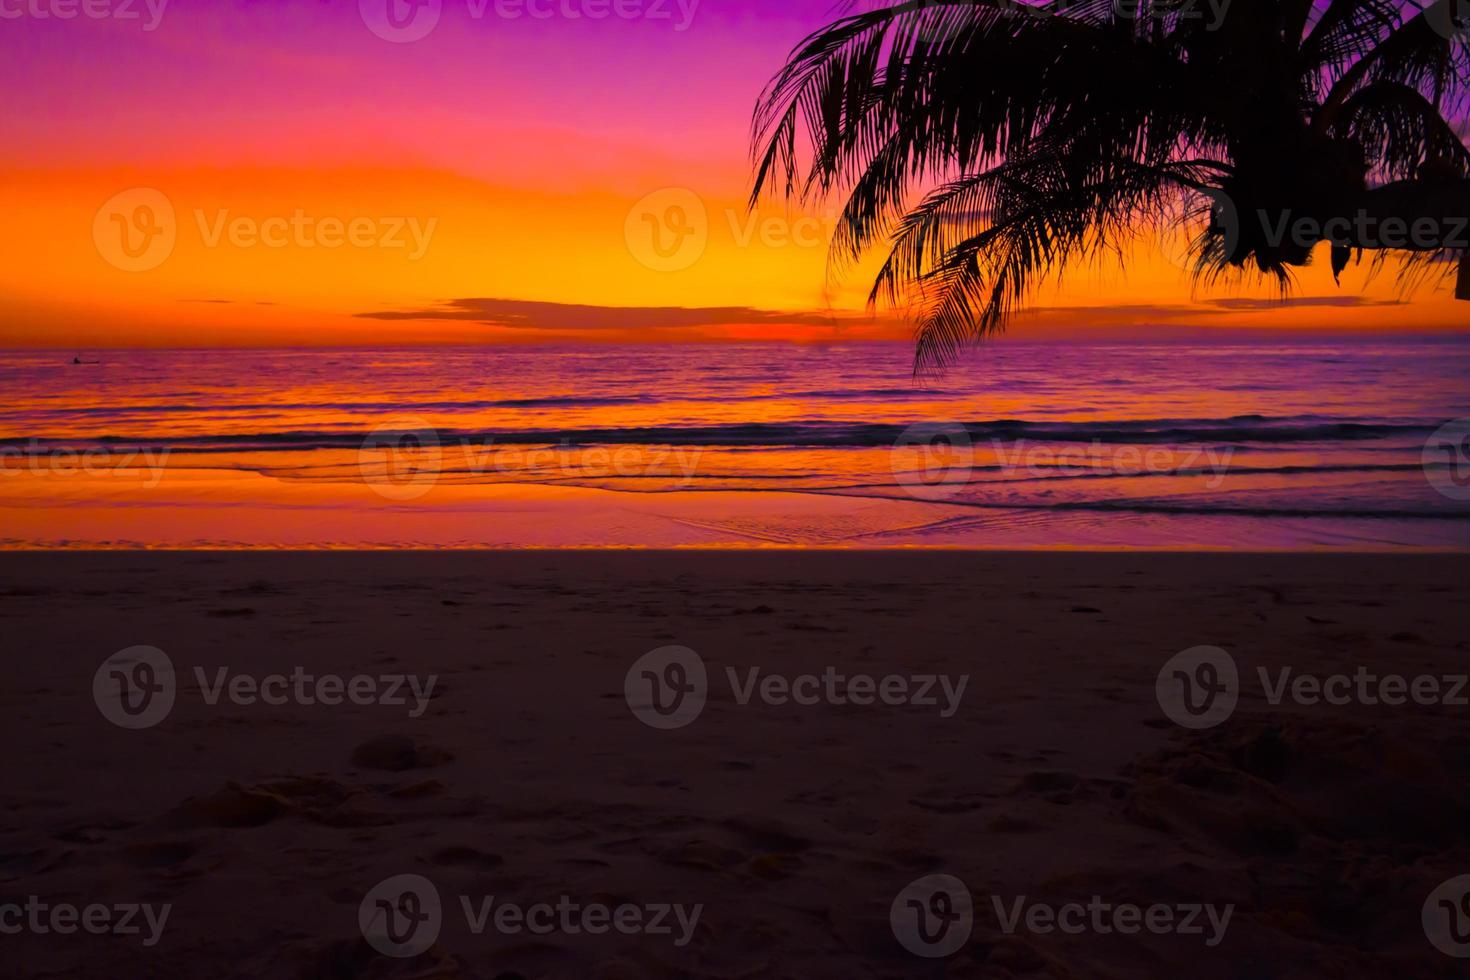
(1301, 445)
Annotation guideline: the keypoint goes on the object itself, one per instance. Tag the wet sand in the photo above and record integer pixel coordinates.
(526, 776)
(186, 506)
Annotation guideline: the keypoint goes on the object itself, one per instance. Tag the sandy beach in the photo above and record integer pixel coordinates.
(1025, 753)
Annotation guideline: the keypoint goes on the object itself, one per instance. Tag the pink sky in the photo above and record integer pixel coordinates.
(529, 142)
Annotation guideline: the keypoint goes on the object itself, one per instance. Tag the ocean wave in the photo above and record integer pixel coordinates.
(1238, 430)
(397, 408)
(409, 407)
(1438, 511)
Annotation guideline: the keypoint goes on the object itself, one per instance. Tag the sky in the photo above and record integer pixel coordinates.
(290, 172)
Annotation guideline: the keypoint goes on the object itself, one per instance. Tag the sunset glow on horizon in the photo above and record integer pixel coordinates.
(322, 185)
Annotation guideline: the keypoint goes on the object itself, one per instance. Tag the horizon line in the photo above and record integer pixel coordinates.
(1240, 338)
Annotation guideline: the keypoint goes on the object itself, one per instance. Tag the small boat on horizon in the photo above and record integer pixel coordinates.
(78, 360)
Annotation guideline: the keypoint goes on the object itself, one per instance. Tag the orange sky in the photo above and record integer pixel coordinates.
(309, 183)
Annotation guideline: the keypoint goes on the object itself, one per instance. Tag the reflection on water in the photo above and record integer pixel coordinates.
(1025, 445)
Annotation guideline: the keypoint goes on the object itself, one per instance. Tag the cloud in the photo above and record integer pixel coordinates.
(1247, 305)
(1127, 311)
(535, 321)
(1206, 307)
(533, 315)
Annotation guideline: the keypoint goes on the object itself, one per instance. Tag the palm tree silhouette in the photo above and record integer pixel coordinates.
(1035, 134)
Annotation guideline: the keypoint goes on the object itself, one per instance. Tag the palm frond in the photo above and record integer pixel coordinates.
(1036, 134)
